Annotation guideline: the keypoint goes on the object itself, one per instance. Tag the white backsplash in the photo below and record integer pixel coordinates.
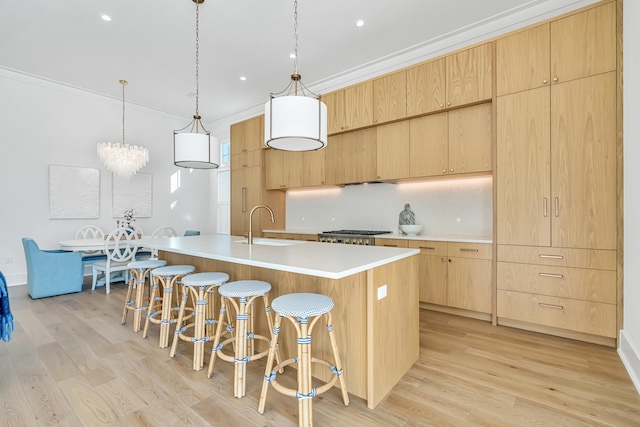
(460, 207)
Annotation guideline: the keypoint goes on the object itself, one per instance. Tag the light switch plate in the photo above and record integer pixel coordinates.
(382, 292)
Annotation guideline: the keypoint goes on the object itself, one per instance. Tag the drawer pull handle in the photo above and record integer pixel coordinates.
(557, 276)
(559, 307)
(551, 256)
(468, 250)
(428, 247)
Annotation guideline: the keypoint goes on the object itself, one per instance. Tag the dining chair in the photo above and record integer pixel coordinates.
(192, 233)
(158, 233)
(120, 248)
(91, 232)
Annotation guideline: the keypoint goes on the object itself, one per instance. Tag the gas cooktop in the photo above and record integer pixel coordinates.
(357, 232)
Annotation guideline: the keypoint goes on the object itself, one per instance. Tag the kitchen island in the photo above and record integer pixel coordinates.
(375, 291)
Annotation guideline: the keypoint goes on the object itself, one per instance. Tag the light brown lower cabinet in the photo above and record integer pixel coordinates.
(290, 236)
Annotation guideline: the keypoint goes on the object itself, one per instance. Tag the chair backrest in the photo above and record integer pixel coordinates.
(120, 245)
(136, 229)
(90, 232)
(164, 231)
(192, 233)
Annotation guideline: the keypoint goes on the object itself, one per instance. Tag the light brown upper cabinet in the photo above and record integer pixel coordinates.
(570, 48)
(349, 108)
(469, 76)
(392, 154)
(556, 172)
(470, 139)
(247, 140)
(426, 87)
(429, 145)
(283, 169)
(313, 168)
(351, 157)
(390, 98)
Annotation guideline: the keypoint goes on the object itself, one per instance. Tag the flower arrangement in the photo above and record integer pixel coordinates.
(128, 218)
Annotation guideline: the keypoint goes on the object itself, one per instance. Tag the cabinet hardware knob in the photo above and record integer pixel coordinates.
(468, 250)
(557, 206)
(559, 307)
(442, 259)
(555, 79)
(450, 260)
(441, 105)
(444, 171)
(545, 81)
(544, 204)
(451, 170)
(448, 103)
(556, 276)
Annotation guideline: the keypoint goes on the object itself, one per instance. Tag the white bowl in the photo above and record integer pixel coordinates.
(411, 230)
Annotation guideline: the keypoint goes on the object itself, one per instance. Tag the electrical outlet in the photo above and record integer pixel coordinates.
(8, 259)
(382, 292)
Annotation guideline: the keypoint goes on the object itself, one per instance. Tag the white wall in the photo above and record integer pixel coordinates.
(459, 207)
(46, 123)
(630, 335)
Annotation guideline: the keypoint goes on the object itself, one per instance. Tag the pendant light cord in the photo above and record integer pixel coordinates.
(197, 57)
(123, 82)
(295, 35)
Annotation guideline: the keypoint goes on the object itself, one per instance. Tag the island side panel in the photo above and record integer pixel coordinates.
(349, 314)
(393, 337)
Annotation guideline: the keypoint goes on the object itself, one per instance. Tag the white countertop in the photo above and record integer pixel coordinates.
(436, 237)
(310, 258)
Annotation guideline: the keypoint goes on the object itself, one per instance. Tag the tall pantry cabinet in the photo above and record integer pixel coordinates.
(556, 217)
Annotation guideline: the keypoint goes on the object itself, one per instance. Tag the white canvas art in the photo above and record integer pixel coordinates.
(133, 193)
(74, 192)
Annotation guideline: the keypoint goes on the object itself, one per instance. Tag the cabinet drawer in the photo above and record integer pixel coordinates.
(429, 247)
(575, 283)
(581, 316)
(469, 250)
(394, 243)
(562, 257)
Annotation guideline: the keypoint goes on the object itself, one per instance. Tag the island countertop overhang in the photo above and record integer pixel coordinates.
(309, 258)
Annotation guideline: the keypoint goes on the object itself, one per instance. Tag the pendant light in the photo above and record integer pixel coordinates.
(196, 148)
(122, 159)
(295, 119)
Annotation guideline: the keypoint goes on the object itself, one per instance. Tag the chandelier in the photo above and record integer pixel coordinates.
(295, 119)
(122, 159)
(196, 149)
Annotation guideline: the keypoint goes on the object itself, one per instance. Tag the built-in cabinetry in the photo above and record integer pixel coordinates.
(350, 108)
(294, 169)
(556, 209)
(452, 274)
(247, 179)
(351, 157)
(291, 236)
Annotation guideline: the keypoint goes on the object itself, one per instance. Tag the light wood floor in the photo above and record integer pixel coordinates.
(71, 363)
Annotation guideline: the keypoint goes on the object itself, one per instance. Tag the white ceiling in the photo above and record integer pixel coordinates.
(151, 43)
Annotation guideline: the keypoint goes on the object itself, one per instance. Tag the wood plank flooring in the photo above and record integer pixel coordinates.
(71, 363)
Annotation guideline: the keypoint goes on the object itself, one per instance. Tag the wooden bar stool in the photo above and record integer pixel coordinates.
(138, 272)
(169, 277)
(246, 291)
(201, 287)
(298, 308)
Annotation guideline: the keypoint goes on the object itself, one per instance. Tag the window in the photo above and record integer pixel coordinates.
(224, 201)
(226, 156)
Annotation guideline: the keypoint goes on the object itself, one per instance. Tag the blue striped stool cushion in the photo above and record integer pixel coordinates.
(302, 305)
(244, 288)
(173, 270)
(205, 279)
(150, 263)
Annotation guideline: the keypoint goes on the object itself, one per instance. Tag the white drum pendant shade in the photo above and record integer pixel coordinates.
(196, 150)
(295, 123)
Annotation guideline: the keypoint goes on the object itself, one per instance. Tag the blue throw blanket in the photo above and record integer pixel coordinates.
(6, 318)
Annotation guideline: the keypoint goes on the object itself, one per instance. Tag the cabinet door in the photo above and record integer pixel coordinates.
(274, 167)
(238, 202)
(334, 170)
(359, 156)
(392, 154)
(253, 190)
(470, 139)
(237, 140)
(429, 145)
(293, 167)
(358, 105)
(583, 165)
(254, 133)
(584, 44)
(469, 76)
(523, 60)
(426, 87)
(313, 163)
(433, 279)
(523, 171)
(469, 284)
(390, 97)
(335, 111)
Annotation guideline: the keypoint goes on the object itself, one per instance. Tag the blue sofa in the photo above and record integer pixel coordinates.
(52, 273)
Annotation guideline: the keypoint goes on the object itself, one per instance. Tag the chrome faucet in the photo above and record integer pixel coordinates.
(250, 238)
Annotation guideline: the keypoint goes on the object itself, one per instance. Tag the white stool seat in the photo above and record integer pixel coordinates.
(151, 263)
(205, 279)
(244, 288)
(302, 305)
(173, 270)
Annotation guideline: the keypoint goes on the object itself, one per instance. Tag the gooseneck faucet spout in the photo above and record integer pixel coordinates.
(250, 238)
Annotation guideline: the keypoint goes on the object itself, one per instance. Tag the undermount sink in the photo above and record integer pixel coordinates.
(269, 242)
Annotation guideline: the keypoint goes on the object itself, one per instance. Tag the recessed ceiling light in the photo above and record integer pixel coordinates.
(292, 56)
(105, 17)
(243, 78)
(359, 23)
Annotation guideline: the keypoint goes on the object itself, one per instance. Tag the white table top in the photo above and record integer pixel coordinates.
(82, 245)
(310, 258)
